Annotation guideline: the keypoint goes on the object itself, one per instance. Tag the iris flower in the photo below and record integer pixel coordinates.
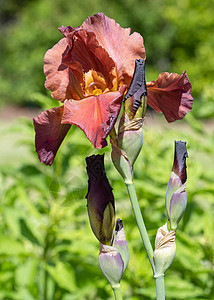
(89, 71)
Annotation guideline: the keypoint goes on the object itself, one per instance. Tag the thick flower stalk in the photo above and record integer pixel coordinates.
(89, 71)
(176, 196)
(100, 200)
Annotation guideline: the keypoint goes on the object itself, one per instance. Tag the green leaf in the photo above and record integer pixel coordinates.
(63, 274)
(11, 246)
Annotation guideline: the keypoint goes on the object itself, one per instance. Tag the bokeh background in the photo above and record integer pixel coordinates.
(47, 249)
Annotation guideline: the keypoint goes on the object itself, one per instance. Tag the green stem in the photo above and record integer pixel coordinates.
(160, 289)
(45, 271)
(139, 220)
(117, 293)
(45, 285)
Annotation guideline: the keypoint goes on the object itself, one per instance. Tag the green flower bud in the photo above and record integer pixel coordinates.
(130, 137)
(121, 162)
(100, 200)
(176, 197)
(165, 250)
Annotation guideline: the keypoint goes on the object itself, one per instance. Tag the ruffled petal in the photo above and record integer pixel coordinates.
(49, 134)
(62, 81)
(85, 49)
(95, 115)
(171, 95)
(121, 46)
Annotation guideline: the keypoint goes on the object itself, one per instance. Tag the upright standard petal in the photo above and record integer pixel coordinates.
(123, 48)
(85, 49)
(171, 95)
(49, 134)
(95, 115)
(62, 81)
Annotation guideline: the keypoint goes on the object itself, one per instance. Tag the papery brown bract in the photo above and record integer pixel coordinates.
(165, 249)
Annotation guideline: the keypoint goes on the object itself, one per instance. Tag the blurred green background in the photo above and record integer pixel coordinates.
(47, 249)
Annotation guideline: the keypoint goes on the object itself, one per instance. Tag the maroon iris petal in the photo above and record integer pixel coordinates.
(171, 95)
(49, 134)
(95, 115)
(123, 47)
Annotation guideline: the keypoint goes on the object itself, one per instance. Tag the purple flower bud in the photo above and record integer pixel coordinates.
(179, 166)
(119, 242)
(100, 200)
(111, 264)
(113, 260)
(176, 198)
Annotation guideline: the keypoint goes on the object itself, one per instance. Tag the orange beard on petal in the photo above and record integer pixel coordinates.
(95, 83)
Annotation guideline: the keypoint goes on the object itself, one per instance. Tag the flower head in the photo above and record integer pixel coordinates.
(100, 200)
(89, 71)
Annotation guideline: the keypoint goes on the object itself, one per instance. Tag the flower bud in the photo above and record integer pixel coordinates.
(130, 137)
(176, 197)
(119, 242)
(113, 260)
(136, 96)
(100, 200)
(121, 162)
(165, 249)
(127, 144)
(111, 264)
